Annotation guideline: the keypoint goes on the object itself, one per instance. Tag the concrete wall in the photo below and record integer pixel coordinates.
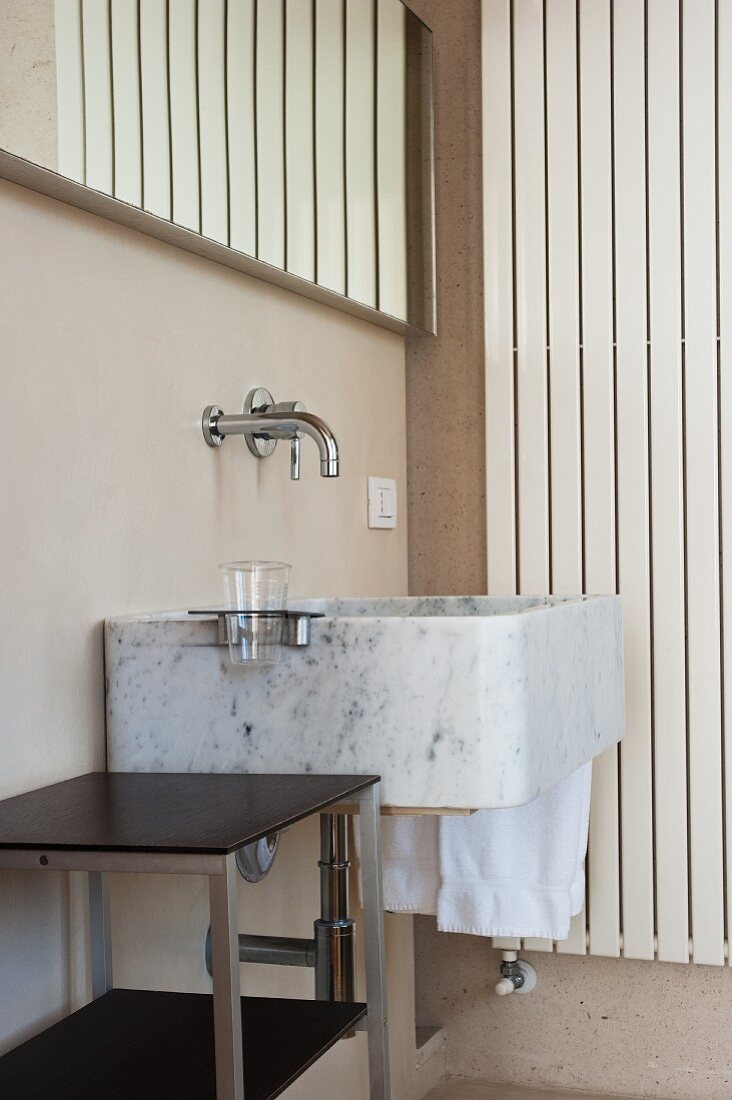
(602, 1024)
(111, 343)
(446, 437)
(28, 107)
(605, 1025)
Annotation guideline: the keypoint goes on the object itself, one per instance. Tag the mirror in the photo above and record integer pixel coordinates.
(297, 133)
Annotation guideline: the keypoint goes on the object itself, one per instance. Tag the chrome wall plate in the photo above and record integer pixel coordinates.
(254, 861)
(210, 415)
(259, 400)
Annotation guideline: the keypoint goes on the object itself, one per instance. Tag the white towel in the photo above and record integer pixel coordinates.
(410, 863)
(514, 872)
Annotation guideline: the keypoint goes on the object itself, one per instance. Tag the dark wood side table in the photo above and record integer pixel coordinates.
(136, 1043)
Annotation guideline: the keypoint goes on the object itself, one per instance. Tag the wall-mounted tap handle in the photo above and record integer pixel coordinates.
(285, 407)
(295, 459)
(291, 407)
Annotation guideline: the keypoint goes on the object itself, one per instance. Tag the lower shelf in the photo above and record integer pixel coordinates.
(132, 1043)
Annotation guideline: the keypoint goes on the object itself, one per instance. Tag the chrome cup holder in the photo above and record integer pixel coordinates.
(256, 636)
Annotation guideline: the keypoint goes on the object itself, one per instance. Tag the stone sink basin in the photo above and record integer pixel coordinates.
(458, 702)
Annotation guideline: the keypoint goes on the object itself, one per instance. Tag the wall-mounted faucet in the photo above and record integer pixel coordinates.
(263, 422)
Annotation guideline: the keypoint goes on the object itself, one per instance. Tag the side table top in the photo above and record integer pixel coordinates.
(167, 812)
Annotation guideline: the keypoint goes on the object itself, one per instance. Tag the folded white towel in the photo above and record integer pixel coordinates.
(514, 872)
(410, 863)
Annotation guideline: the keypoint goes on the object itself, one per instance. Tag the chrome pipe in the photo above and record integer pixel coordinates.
(332, 951)
(335, 931)
(334, 867)
(272, 950)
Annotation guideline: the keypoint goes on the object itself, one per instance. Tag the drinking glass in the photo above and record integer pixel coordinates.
(257, 590)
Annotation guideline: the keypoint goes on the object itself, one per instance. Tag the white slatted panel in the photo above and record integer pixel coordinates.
(621, 355)
(599, 427)
(530, 278)
(329, 175)
(564, 306)
(669, 624)
(633, 473)
(96, 33)
(702, 535)
(299, 138)
(126, 89)
(270, 133)
(155, 120)
(70, 90)
(240, 75)
(499, 337)
(391, 170)
(212, 119)
(360, 153)
(184, 113)
(724, 99)
(499, 333)
(564, 320)
(531, 318)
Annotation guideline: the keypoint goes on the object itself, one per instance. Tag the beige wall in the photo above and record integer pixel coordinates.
(600, 1024)
(111, 343)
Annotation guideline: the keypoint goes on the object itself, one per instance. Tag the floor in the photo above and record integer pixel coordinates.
(461, 1088)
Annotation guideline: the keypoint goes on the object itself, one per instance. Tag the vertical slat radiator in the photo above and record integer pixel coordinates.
(608, 295)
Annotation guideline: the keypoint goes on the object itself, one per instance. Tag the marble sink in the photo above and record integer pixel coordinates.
(458, 702)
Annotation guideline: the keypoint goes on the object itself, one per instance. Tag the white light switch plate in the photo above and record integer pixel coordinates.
(382, 502)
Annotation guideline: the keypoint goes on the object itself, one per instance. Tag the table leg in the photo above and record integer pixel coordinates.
(100, 934)
(226, 992)
(373, 912)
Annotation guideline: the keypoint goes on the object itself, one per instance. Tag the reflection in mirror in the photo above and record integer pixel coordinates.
(298, 132)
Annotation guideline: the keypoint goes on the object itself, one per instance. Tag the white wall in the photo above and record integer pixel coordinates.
(111, 343)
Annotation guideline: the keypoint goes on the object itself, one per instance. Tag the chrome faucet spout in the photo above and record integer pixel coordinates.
(275, 425)
(262, 425)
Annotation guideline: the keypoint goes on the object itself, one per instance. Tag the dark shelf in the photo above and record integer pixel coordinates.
(167, 812)
(133, 1044)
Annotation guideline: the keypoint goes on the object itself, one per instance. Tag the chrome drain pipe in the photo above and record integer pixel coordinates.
(275, 950)
(332, 953)
(335, 930)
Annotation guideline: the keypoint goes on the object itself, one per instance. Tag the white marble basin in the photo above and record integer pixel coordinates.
(464, 702)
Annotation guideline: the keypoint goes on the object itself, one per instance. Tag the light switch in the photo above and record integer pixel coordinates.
(382, 502)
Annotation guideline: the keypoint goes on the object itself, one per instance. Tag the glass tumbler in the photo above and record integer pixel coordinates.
(257, 590)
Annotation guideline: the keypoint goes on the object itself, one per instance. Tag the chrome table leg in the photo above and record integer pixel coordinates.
(373, 912)
(226, 992)
(100, 933)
